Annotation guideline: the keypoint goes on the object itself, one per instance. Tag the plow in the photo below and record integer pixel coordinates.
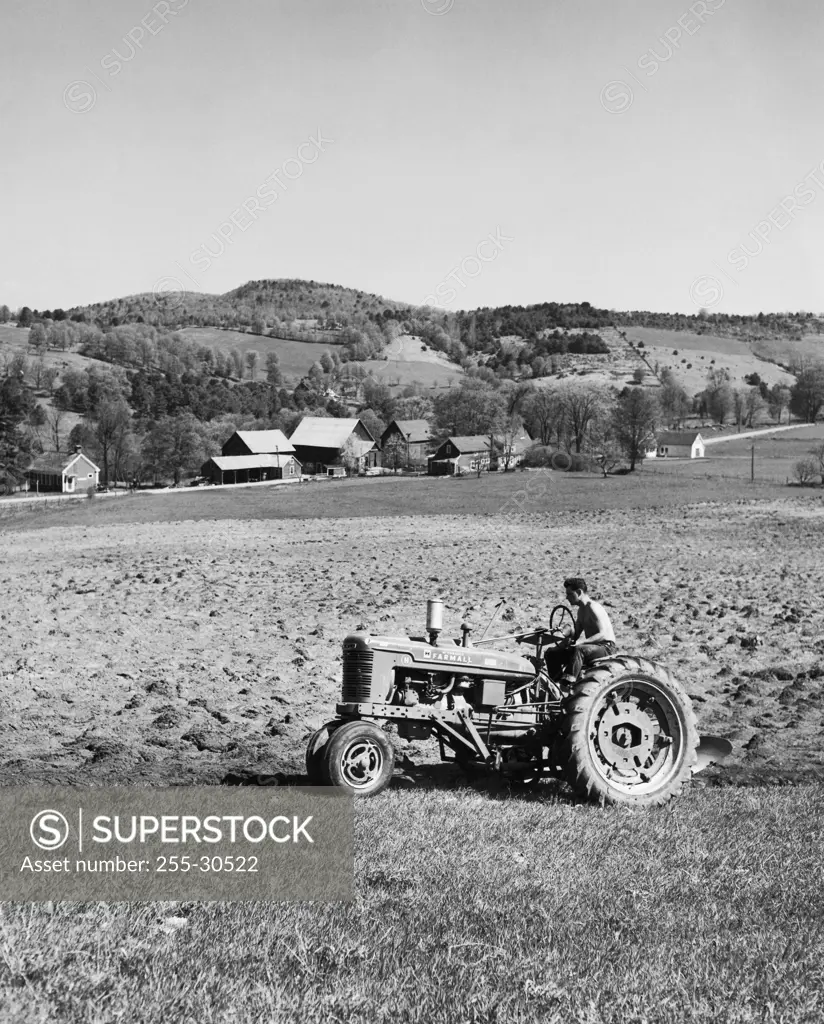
(624, 732)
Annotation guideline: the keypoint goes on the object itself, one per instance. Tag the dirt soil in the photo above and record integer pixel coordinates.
(201, 652)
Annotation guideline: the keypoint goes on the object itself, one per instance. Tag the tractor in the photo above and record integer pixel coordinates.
(624, 733)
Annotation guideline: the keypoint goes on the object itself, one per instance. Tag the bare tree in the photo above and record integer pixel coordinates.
(54, 419)
(603, 443)
(582, 404)
(113, 422)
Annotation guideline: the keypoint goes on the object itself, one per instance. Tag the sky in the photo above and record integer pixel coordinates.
(636, 154)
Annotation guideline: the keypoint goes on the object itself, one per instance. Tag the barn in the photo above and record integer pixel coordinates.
(251, 469)
(680, 444)
(325, 445)
(257, 442)
(64, 473)
(253, 456)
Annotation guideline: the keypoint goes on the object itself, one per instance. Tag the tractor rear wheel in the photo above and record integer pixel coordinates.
(359, 757)
(629, 734)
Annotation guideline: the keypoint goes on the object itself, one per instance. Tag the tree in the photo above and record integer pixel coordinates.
(55, 419)
(373, 423)
(113, 423)
(5, 314)
(818, 454)
(377, 396)
(582, 403)
(16, 406)
(25, 317)
(603, 443)
(805, 470)
(175, 445)
(273, 371)
(38, 339)
(807, 394)
(635, 417)
(251, 362)
(754, 405)
(779, 400)
(544, 414)
(474, 407)
(236, 360)
(674, 402)
(395, 453)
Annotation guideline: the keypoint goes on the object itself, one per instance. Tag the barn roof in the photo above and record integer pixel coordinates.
(264, 461)
(261, 442)
(470, 443)
(325, 432)
(417, 431)
(57, 462)
(679, 437)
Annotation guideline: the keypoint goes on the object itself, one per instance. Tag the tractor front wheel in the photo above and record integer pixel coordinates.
(314, 752)
(629, 734)
(359, 757)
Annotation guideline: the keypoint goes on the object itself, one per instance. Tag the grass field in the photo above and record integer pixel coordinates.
(775, 457)
(296, 357)
(549, 492)
(473, 906)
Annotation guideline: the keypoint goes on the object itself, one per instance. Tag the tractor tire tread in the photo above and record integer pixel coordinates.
(578, 770)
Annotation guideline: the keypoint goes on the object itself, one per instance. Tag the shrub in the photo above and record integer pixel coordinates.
(805, 471)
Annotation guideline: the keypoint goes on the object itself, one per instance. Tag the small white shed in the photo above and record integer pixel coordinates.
(680, 444)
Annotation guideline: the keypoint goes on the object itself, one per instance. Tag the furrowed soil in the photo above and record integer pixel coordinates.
(194, 651)
(195, 638)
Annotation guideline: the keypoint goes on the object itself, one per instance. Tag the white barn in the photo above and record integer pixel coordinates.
(680, 444)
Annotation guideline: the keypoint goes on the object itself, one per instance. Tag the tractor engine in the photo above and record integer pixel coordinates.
(409, 671)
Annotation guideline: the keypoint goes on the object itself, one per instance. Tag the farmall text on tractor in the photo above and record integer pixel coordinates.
(624, 733)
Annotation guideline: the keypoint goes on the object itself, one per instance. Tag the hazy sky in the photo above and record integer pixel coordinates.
(638, 154)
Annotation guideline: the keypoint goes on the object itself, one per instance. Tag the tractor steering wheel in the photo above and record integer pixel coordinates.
(561, 627)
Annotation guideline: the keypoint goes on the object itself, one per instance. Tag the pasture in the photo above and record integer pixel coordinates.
(295, 357)
(732, 458)
(701, 352)
(473, 906)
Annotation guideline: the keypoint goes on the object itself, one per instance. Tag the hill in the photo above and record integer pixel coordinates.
(303, 306)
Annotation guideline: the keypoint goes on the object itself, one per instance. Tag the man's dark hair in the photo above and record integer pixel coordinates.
(575, 583)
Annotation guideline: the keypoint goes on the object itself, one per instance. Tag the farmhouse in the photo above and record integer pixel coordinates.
(253, 456)
(406, 442)
(459, 455)
(680, 444)
(327, 446)
(66, 473)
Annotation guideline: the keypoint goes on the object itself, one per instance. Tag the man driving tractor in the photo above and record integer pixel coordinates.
(592, 638)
